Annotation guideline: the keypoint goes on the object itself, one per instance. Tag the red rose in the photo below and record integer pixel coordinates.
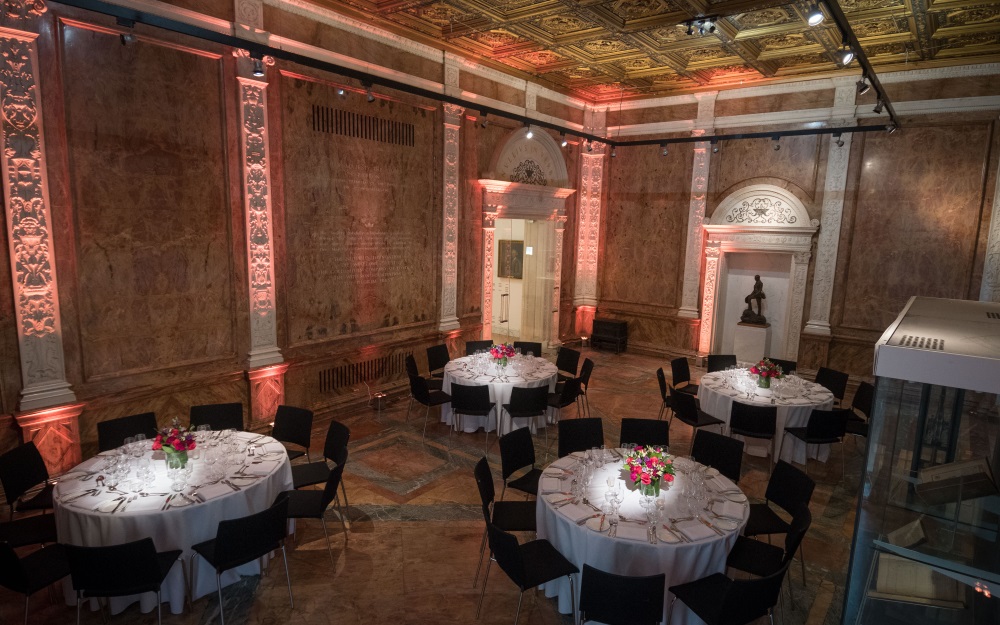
(178, 445)
(646, 479)
(668, 477)
(156, 444)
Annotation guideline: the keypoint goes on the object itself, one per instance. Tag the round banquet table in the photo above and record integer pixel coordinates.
(89, 520)
(538, 372)
(717, 399)
(681, 558)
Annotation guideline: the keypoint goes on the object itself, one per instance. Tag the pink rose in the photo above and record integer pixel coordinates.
(646, 479)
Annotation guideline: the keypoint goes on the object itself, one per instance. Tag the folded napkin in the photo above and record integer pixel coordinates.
(720, 484)
(564, 462)
(632, 531)
(69, 485)
(89, 465)
(576, 512)
(556, 498)
(550, 485)
(271, 447)
(695, 530)
(211, 491)
(145, 504)
(262, 468)
(729, 509)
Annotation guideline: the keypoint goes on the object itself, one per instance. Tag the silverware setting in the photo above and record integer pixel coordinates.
(89, 491)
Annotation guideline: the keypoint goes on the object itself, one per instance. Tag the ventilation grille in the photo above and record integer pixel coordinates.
(349, 376)
(993, 315)
(922, 342)
(337, 122)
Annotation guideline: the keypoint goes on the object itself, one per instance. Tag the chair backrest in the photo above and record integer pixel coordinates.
(218, 416)
(12, 575)
(517, 451)
(293, 425)
(507, 553)
(801, 521)
(484, 481)
(719, 362)
(753, 420)
(585, 372)
(722, 452)
(789, 487)
(333, 481)
(111, 434)
(437, 357)
(621, 600)
(567, 360)
(680, 372)
(661, 378)
(835, 381)
(864, 397)
(115, 570)
(749, 599)
(529, 401)
(645, 432)
(580, 435)
(411, 365)
(684, 405)
(469, 397)
(787, 366)
(20, 469)
(337, 437)
(471, 347)
(528, 346)
(241, 540)
(570, 391)
(827, 425)
(419, 390)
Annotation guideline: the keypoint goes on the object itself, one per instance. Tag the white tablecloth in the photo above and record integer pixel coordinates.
(77, 522)
(542, 373)
(717, 400)
(681, 562)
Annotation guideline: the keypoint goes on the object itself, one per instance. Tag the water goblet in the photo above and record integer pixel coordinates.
(128, 442)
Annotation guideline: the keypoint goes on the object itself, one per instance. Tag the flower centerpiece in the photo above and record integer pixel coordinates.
(647, 466)
(501, 353)
(765, 370)
(175, 441)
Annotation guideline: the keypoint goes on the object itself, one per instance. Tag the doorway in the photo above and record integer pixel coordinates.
(524, 276)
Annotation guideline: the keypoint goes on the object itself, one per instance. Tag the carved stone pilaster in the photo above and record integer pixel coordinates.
(990, 289)
(489, 234)
(588, 236)
(712, 258)
(560, 225)
(266, 392)
(696, 207)
(29, 220)
(797, 298)
(449, 243)
(257, 206)
(56, 433)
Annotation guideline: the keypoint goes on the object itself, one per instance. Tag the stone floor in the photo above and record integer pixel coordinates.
(415, 528)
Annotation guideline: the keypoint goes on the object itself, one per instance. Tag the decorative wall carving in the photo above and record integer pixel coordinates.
(56, 433)
(990, 289)
(528, 172)
(761, 210)
(588, 223)
(449, 245)
(26, 195)
(250, 13)
(557, 282)
(538, 160)
(267, 392)
(761, 204)
(489, 234)
(696, 217)
(712, 257)
(21, 11)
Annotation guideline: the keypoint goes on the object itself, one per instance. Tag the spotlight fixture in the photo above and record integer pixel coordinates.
(341, 92)
(530, 134)
(485, 122)
(368, 92)
(863, 86)
(564, 142)
(838, 140)
(126, 38)
(715, 146)
(706, 27)
(258, 64)
(878, 107)
(891, 128)
(590, 146)
(846, 54)
(613, 152)
(663, 149)
(815, 17)
(690, 30)
(774, 142)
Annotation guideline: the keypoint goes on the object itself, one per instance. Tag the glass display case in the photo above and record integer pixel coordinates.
(926, 547)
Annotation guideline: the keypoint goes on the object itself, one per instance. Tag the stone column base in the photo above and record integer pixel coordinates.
(267, 392)
(56, 433)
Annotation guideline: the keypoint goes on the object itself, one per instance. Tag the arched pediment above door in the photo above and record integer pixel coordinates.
(762, 205)
(537, 161)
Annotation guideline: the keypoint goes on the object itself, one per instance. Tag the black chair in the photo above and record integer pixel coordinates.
(756, 422)
(719, 600)
(664, 395)
(620, 600)
(585, 372)
(312, 504)
(437, 358)
(834, 381)
(685, 408)
(721, 452)
(22, 469)
(528, 346)
(33, 572)
(645, 432)
(411, 369)
(567, 394)
(527, 565)
(334, 447)
(788, 488)
(720, 362)
(580, 435)
(426, 397)
(681, 374)
(471, 347)
(112, 434)
(825, 427)
(787, 366)
(238, 541)
(567, 361)
(761, 559)
(119, 570)
(517, 451)
(863, 401)
(474, 401)
(218, 416)
(293, 425)
(511, 516)
(526, 403)
(30, 530)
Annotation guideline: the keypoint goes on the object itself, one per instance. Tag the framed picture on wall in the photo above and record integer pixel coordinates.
(510, 259)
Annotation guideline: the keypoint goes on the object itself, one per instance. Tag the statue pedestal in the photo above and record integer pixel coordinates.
(751, 341)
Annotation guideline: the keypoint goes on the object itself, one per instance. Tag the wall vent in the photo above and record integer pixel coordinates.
(922, 342)
(351, 375)
(349, 124)
(993, 315)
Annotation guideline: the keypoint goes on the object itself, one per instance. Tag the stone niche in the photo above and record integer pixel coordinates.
(759, 229)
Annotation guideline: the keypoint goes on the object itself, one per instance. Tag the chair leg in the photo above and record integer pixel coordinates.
(343, 489)
(288, 578)
(670, 610)
(218, 583)
(427, 413)
(26, 599)
(802, 561)
(159, 608)
(517, 614)
(329, 547)
(572, 597)
(482, 594)
(77, 609)
(482, 550)
(408, 407)
(843, 462)
(343, 524)
(503, 490)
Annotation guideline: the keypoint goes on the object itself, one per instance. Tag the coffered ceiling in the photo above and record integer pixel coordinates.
(603, 50)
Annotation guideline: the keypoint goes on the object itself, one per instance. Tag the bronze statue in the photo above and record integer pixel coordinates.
(749, 316)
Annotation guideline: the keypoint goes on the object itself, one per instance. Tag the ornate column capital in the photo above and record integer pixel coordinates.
(21, 14)
(452, 114)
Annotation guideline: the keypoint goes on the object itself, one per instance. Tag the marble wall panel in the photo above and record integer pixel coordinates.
(488, 141)
(362, 215)
(964, 87)
(774, 103)
(147, 153)
(652, 115)
(796, 167)
(916, 216)
(491, 89)
(222, 9)
(556, 109)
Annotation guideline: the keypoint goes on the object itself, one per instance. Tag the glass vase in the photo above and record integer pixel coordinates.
(763, 381)
(650, 490)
